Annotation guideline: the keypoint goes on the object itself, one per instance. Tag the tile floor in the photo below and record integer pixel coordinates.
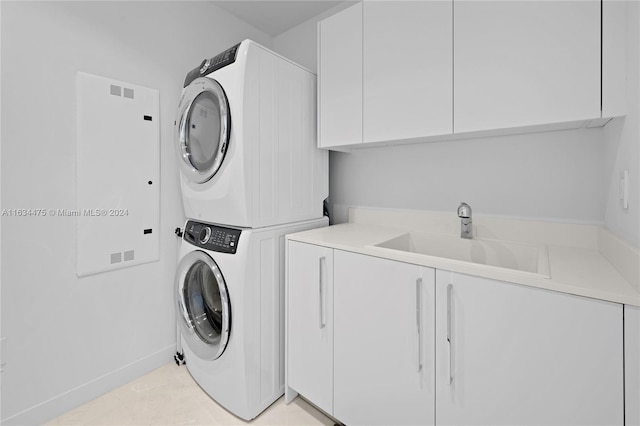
(170, 396)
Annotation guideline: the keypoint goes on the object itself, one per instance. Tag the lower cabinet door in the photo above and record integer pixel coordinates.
(632, 365)
(310, 322)
(513, 355)
(383, 341)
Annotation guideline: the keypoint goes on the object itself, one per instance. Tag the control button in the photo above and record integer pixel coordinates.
(232, 244)
(205, 234)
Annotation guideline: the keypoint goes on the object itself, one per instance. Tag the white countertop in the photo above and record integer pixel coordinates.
(577, 270)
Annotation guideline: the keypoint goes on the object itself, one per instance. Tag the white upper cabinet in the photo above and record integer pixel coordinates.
(523, 63)
(407, 71)
(614, 73)
(385, 72)
(340, 78)
(410, 70)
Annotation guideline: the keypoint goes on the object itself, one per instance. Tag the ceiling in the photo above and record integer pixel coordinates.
(276, 17)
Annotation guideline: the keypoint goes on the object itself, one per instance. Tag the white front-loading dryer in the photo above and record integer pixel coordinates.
(246, 140)
(230, 302)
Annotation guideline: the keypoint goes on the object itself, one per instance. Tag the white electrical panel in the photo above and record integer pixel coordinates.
(118, 162)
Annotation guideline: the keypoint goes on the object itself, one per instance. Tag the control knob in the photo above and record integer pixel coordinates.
(204, 66)
(205, 234)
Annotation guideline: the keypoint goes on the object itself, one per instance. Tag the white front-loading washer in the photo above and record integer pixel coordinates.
(230, 308)
(246, 140)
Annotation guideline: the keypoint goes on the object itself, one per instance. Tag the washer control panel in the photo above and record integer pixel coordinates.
(212, 237)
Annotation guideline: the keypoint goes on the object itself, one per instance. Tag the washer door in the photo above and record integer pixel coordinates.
(202, 129)
(204, 309)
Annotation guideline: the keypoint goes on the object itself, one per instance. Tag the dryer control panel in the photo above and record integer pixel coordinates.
(212, 237)
(210, 65)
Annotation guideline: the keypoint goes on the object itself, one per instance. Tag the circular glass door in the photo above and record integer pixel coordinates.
(203, 127)
(203, 305)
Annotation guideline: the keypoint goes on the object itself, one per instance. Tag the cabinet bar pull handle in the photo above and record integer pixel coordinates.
(419, 357)
(449, 336)
(320, 280)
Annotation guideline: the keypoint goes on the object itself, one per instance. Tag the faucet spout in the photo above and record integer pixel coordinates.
(466, 228)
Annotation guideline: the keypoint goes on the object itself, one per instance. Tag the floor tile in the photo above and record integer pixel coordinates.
(170, 396)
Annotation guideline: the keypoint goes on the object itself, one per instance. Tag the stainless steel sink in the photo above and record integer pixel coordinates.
(516, 256)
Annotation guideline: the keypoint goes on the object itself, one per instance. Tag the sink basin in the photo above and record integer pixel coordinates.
(516, 256)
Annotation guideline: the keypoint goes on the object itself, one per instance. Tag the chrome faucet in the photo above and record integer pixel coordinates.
(464, 213)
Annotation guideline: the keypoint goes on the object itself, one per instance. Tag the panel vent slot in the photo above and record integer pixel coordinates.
(128, 255)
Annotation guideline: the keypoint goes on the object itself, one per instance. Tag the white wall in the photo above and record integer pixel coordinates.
(69, 339)
(622, 147)
(566, 176)
(553, 176)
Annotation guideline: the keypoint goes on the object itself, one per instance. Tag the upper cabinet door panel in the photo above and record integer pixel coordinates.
(521, 63)
(614, 66)
(407, 71)
(340, 78)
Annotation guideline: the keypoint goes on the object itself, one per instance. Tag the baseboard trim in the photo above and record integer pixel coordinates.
(73, 398)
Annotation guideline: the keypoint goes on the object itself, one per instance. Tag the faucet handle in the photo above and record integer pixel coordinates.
(464, 210)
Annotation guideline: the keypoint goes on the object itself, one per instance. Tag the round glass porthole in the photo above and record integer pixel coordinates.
(203, 127)
(203, 304)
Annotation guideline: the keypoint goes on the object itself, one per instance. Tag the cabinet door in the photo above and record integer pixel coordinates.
(310, 322)
(614, 65)
(521, 63)
(340, 78)
(383, 341)
(407, 71)
(632, 364)
(508, 354)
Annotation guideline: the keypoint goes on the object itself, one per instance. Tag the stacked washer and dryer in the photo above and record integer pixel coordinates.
(250, 173)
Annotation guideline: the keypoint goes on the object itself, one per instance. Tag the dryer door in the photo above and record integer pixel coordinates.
(204, 309)
(202, 129)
